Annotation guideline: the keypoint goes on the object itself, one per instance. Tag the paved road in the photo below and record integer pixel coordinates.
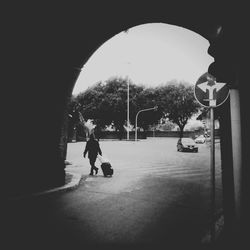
(155, 159)
(157, 197)
(154, 172)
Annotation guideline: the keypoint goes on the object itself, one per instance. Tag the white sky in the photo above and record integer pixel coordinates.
(149, 54)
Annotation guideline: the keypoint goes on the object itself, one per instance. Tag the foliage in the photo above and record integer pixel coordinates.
(166, 125)
(148, 99)
(178, 103)
(106, 104)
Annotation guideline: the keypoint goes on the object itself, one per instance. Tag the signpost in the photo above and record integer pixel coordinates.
(211, 94)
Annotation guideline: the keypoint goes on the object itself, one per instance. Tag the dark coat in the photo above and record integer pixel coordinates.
(92, 148)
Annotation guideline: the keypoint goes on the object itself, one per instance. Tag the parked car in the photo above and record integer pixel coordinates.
(200, 139)
(208, 139)
(186, 144)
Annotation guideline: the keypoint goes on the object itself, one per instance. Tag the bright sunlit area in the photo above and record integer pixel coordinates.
(150, 54)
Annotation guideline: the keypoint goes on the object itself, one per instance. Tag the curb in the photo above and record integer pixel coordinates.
(74, 182)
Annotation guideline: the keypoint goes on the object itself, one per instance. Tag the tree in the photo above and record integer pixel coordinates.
(166, 125)
(178, 102)
(147, 99)
(106, 103)
(88, 101)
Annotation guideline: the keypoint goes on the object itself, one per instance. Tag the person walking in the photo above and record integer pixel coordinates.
(93, 149)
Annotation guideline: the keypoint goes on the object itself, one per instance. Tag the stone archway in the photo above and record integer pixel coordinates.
(48, 45)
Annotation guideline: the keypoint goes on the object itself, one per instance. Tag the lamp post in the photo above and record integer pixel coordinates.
(154, 108)
(128, 111)
(128, 64)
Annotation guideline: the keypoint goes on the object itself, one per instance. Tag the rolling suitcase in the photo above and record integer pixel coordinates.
(107, 169)
(105, 166)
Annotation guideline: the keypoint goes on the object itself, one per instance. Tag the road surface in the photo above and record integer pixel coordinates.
(158, 197)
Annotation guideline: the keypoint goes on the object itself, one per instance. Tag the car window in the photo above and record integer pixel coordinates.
(187, 140)
(200, 137)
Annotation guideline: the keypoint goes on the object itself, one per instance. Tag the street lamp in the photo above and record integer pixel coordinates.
(128, 64)
(154, 108)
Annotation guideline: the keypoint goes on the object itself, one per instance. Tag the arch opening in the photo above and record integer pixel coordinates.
(148, 57)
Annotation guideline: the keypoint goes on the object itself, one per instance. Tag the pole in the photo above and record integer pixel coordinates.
(212, 169)
(136, 126)
(237, 152)
(128, 112)
(136, 117)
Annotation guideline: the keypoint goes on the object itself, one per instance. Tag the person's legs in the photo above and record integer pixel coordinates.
(92, 164)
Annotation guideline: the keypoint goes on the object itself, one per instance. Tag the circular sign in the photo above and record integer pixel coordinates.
(210, 93)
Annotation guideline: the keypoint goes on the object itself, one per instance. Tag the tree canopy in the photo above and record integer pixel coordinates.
(178, 102)
(106, 103)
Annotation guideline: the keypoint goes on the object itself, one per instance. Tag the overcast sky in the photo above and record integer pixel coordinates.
(149, 54)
